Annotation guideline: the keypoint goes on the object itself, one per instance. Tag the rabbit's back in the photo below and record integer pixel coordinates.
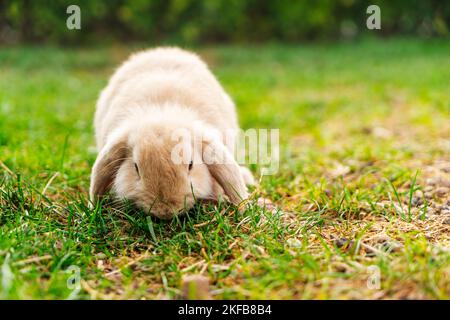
(159, 78)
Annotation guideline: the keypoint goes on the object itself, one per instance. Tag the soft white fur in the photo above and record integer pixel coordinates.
(149, 96)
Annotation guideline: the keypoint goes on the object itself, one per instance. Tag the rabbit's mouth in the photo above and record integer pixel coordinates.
(167, 211)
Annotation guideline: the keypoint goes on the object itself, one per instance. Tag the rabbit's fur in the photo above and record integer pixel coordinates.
(152, 95)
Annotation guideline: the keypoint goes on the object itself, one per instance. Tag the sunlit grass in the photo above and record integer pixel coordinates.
(363, 185)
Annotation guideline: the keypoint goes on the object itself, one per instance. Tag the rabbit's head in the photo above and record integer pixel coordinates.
(163, 167)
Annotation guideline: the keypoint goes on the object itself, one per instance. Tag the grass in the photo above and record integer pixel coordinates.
(362, 189)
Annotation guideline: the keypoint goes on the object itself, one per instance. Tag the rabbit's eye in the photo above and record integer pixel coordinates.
(190, 165)
(137, 170)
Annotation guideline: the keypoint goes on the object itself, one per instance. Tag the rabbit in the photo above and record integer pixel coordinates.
(151, 96)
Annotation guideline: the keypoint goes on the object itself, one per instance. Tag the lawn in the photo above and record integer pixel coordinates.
(362, 192)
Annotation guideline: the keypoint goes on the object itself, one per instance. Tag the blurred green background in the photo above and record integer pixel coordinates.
(212, 21)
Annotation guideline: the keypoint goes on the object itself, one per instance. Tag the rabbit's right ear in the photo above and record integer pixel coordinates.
(224, 170)
(105, 167)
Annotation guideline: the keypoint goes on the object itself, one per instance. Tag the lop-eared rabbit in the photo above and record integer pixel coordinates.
(148, 122)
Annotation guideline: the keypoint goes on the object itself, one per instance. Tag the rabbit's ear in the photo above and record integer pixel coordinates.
(105, 167)
(224, 169)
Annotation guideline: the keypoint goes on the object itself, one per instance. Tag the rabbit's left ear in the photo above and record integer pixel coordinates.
(105, 167)
(224, 169)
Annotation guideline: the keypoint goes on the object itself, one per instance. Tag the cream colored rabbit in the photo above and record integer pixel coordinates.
(152, 98)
